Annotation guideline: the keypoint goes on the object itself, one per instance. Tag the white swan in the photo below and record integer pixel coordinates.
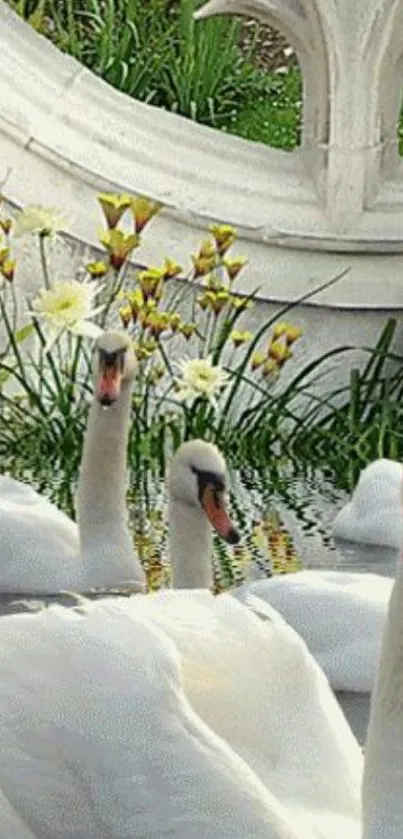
(373, 516)
(383, 774)
(26, 516)
(340, 615)
(99, 740)
(44, 564)
(285, 721)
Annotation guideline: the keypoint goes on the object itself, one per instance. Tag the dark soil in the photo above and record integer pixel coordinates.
(268, 48)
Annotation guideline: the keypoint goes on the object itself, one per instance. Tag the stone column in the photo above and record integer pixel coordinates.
(351, 57)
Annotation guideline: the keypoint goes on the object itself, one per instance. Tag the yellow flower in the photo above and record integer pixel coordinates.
(43, 221)
(157, 323)
(239, 302)
(144, 313)
(7, 269)
(224, 235)
(145, 349)
(4, 253)
(205, 260)
(68, 305)
(234, 266)
(202, 301)
(143, 209)
(97, 269)
(119, 246)
(279, 329)
(6, 224)
(270, 367)
(217, 300)
(279, 352)
(240, 338)
(171, 269)
(175, 321)
(150, 282)
(292, 334)
(187, 330)
(113, 207)
(257, 360)
(125, 314)
(136, 302)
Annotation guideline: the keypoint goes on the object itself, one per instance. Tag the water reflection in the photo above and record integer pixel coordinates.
(284, 513)
(308, 511)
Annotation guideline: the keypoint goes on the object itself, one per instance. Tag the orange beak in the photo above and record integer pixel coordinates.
(215, 509)
(108, 385)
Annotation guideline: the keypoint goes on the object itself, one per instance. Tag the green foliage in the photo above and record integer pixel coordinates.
(198, 374)
(345, 429)
(274, 117)
(155, 52)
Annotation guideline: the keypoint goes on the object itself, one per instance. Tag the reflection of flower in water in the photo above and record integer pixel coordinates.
(283, 555)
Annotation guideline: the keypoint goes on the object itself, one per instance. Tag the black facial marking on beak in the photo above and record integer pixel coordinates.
(205, 478)
(110, 360)
(110, 373)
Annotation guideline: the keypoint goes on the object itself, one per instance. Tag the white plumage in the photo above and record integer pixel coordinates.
(374, 514)
(98, 740)
(339, 614)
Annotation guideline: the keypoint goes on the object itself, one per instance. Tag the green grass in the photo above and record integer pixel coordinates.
(153, 50)
(275, 118)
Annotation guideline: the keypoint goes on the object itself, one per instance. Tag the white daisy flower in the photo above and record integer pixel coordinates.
(200, 377)
(40, 220)
(68, 306)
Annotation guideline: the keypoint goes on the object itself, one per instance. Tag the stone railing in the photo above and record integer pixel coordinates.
(335, 202)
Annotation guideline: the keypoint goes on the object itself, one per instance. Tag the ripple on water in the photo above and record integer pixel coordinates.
(284, 514)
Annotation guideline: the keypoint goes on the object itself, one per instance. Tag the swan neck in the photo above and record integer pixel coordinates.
(383, 768)
(190, 545)
(101, 498)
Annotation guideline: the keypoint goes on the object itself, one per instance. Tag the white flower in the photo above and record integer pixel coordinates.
(40, 220)
(68, 305)
(199, 377)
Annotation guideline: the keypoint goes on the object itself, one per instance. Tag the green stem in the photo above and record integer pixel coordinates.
(166, 359)
(44, 263)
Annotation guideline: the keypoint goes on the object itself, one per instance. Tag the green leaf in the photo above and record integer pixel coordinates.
(23, 333)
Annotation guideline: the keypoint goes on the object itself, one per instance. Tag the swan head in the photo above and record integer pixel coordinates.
(198, 478)
(114, 363)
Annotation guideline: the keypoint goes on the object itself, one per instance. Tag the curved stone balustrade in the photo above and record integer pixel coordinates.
(351, 55)
(302, 217)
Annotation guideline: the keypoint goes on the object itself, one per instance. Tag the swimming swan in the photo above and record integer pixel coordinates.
(373, 516)
(34, 555)
(383, 774)
(339, 615)
(102, 734)
(98, 739)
